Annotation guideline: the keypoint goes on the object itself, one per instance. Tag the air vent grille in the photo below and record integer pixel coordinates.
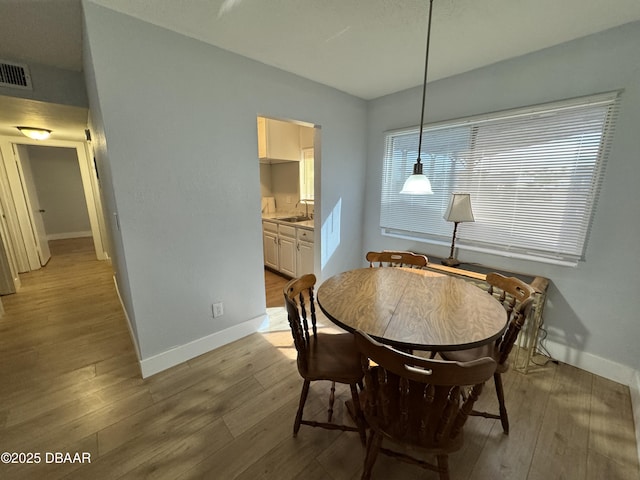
(14, 75)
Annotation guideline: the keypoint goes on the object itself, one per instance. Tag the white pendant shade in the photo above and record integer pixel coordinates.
(417, 185)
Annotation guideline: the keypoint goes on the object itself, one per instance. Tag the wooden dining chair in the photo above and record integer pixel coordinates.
(389, 258)
(516, 296)
(321, 356)
(417, 402)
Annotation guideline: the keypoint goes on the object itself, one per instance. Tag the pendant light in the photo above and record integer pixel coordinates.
(418, 183)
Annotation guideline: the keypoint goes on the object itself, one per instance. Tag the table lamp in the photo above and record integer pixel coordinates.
(459, 210)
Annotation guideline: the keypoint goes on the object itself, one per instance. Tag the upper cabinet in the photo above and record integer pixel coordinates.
(278, 141)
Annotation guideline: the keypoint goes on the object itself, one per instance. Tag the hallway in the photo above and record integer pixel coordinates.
(65, 317)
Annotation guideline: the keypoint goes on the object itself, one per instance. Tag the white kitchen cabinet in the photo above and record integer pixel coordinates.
(270, 245)
(278, 141)
(304, 251)
(287, 249)
(304, 258)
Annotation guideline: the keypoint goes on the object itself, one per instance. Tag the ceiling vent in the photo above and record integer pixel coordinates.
(15, 75)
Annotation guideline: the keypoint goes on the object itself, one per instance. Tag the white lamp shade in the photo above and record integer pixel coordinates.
(459, 209)
(417, 185)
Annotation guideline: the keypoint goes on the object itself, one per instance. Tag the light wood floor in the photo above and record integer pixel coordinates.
(70, 383)
(273, 284)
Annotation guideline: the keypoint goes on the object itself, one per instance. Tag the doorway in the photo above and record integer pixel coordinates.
(289, 163)
(56, 194)
(48, 190)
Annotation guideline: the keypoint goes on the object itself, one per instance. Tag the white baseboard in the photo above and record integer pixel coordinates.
(61, 236)
(134, 339)
(591, 363)
(170, 358)
(177, 355)
(634, 388)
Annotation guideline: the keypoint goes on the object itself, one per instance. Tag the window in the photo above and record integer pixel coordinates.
(306, 176)
(534, 175)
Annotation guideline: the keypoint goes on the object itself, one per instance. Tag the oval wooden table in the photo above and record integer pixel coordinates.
(412, 308)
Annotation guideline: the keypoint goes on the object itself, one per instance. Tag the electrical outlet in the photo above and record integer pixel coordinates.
(217, 309)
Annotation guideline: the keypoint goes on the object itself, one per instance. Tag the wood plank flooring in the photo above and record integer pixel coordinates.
(71, 383)
(273, 284)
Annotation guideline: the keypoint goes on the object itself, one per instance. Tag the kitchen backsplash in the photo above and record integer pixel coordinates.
(281, 181)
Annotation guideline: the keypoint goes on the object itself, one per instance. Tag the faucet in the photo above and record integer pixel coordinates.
(306, 206)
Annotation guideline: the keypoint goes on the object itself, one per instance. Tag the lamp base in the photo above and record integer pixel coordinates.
(451, 262)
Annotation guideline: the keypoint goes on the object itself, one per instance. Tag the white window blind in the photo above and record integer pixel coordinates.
(534, 175)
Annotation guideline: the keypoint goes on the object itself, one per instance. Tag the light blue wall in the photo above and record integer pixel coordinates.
(181, 170)
(103, 169)
(592, 311)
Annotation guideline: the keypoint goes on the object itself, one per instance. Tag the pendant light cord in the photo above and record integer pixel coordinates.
(424, 83)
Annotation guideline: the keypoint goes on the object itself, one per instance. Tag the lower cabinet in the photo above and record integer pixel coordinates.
(288, 249)
(304, 258)
(304, 253)
(270, 245)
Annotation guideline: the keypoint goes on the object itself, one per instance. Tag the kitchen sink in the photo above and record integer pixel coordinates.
(301, 218)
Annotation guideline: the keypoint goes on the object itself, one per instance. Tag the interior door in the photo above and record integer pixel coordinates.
(8, 270)
(35, 211)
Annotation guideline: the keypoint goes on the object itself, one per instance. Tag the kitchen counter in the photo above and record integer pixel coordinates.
(276, 217)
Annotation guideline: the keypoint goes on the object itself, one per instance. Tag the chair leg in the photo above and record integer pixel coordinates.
(443, 466)
(373, 447)
(332, 399)
(504, 419)
(357, 414)
(303, 399)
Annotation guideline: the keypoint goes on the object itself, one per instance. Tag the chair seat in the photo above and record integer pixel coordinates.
(333, 357)
(475, 353)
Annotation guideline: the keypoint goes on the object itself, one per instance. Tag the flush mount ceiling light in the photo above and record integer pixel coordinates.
(418, 183)
(35, 133)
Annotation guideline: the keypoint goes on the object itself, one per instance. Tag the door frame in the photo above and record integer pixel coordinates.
(18, 217)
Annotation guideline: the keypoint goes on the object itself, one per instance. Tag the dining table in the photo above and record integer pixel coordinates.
(412, 309)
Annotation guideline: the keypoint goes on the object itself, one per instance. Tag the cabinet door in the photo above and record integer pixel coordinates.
(278, 140)
(270, 246)
(287, 254)
(262, 137)
(304, 260)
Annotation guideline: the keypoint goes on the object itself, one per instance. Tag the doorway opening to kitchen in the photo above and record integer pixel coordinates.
(289, 159)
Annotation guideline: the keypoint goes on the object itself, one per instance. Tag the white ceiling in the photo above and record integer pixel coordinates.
(367, 48)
